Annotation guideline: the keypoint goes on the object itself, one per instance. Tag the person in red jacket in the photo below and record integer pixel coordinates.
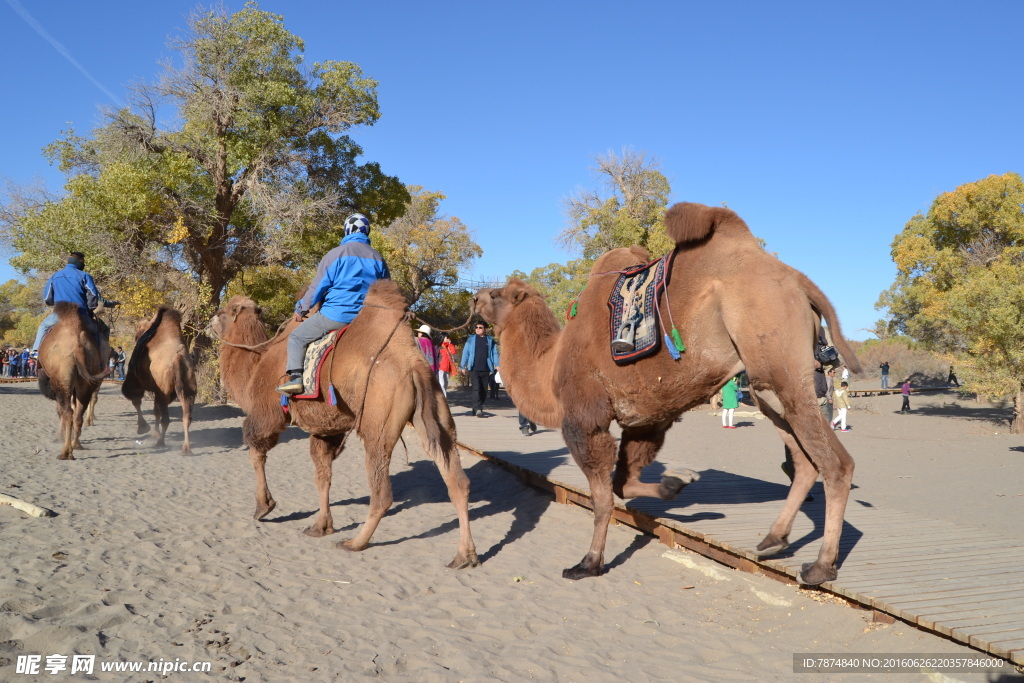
(446, 362)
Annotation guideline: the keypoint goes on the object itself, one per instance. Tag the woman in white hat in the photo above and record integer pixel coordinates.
(427, 347)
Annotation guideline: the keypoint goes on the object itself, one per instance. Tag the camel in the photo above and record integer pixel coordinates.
(737, 308)
(382, 382)
(161, 364)
(71, 370)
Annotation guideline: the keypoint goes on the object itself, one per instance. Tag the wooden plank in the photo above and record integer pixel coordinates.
(892, 565)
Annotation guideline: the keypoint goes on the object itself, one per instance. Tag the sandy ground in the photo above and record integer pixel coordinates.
(154, 556)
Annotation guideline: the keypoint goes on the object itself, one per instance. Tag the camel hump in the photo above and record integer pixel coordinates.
(172, 315)
(690, 222)
(65, 309)
(385, 293)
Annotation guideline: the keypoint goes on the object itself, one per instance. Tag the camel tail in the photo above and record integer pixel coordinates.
(430, 419)
(143, 340)
(823, 306)
(689, 222)
(185, 378)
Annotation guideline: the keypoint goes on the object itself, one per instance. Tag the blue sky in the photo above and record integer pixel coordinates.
(826, 126)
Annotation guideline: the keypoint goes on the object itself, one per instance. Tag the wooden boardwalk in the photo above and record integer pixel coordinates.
(960, 582)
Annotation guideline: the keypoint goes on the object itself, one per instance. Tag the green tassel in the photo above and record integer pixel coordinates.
(677, 340)
(572, 311)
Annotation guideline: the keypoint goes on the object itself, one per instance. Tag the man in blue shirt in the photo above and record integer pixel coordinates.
(342, 279)
(479, 360)
(72, 284)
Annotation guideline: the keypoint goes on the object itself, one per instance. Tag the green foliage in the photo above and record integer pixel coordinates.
(559, 284)
(21, 311)
(275, 288)
(424, 249)
(960, 283)
(627, 209)
(257, 164)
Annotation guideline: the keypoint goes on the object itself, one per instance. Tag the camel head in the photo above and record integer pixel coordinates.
(494, 305)
(224, 319)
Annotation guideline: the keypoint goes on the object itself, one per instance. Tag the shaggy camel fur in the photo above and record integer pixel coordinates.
(161, 363)
(400, 389)
(737, 308)
(70, 373)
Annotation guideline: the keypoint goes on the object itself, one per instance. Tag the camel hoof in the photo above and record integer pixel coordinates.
(582, 572)
(350, 546)
(672, 484)
(186, 451)
(464, 562)
(771, 545)
(318, 531)
(813, 574)
(143, 429)
(262, 512)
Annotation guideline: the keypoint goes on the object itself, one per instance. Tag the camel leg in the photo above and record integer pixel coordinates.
(186, 420)
(378, 461)
(77, 418)
(76, 434)
(446, 456)
(64, 414)
(161, 418)
(259, 444)
(594, 452)
(637, 450)
(143, 426)
(323, 450)
(816, 450)
(804, 475)
(90, 415)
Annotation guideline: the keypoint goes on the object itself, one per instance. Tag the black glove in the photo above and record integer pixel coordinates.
(109, 303)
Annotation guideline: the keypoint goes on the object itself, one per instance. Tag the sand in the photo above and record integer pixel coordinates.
(155, 557)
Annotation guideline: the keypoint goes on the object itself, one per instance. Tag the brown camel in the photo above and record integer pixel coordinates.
(161, 364)
(737, 308)
(70, 373)
(382, 383)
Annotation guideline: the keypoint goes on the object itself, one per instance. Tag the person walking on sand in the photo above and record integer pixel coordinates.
(905, 390)
(885, 374)
(445, 363)
(952, 380)
(729, 402)
(841, 400)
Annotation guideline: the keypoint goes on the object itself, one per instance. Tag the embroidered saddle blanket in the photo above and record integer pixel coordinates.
(316, 354)
(634, 316)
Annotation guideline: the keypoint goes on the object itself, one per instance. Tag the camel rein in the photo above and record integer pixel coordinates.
(405, 317)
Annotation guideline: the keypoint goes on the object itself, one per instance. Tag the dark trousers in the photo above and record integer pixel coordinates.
(479, 379)
(906, 403)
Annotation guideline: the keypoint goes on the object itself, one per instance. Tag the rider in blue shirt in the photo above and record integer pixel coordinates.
(342, 279)
(72, 284)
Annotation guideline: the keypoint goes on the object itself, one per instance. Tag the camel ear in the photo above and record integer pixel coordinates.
(517, 295)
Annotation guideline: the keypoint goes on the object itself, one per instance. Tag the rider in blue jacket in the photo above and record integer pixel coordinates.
(72, 284)
(342, 279)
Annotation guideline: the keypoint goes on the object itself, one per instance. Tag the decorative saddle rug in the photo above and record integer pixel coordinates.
(316, 354)
(634, 315)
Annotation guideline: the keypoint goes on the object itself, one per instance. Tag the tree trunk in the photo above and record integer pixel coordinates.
(1017, 426)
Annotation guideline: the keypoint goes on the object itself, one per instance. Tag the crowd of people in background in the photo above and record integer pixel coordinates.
(18, 362)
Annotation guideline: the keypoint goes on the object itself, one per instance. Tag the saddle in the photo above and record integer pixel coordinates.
(635, 315)
(316, 354)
